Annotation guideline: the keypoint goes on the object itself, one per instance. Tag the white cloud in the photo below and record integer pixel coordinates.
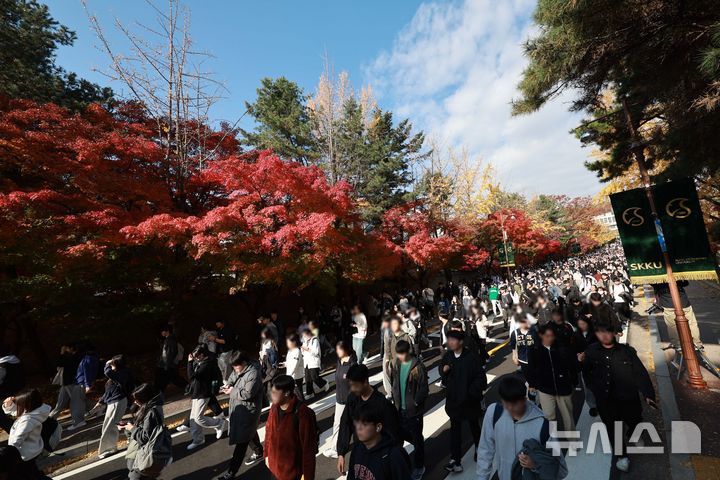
(453, 71)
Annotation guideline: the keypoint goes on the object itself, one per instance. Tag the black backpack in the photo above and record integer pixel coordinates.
(50, 435)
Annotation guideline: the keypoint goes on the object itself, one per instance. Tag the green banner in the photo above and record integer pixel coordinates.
(680, 229)
(506, 259)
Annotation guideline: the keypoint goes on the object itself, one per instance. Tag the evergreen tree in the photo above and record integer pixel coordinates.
(282, 121)
(29, 37)
(650, 53)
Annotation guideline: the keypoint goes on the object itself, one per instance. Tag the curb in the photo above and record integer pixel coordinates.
(680, 464)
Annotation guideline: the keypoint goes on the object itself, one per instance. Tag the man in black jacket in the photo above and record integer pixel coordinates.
(465, 381)
(552, 372)
(362, 393)
(167, 366)
(615, 374)
(409, 381)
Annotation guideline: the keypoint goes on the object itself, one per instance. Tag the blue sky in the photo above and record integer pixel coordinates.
(450, 66)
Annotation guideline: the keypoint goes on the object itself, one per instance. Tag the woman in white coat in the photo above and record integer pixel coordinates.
(30, 412)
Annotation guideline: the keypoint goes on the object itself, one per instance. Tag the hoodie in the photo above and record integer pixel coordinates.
(25, 434)
(502, 442)
(385, 461)
(11, 376)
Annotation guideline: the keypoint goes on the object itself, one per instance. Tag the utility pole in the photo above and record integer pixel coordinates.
(695, 378)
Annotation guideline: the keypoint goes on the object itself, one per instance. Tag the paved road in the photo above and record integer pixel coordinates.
(210, 461)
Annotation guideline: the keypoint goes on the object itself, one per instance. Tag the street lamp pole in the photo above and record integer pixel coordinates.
(504, 217)
(695, 378)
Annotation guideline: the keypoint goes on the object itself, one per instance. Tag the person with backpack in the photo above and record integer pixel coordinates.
(118, 387)
(462, 374)
(312, 361)
(291, 434)
(294, 361)
(26, 433)
(269, 360)
(244, 387)
(149, 444)
(203, 372)
(409, 381)
(70, 391)
(12, 380)
(346, 359)
(506, 428)
(375, 456)
(362, 393)
(171, 355)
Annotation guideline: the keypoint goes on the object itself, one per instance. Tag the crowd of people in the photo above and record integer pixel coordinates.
(562, 321)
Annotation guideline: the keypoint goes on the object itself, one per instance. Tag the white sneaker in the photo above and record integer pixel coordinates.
(107, 454)
(194, 445)
(253, 459)
(72, 428)
(220, 430)
(439, 384)
(182, 428)
(326, 388)
(330, 453)
(623, 464)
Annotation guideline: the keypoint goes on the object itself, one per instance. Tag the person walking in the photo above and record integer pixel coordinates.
(346, 359)
(552, 373)
(244, 387)
(226, 340)
(12, 380)
(409, 380)
(166, 371)
(147, 427)
(375, 455)
(396, 334)
(70, 392)
(509, 428)
(312, 361)
(26, 432)
(664, 301)
(465, 381)
(494, 297)
(359, 322)
(523, 341)
(203, 372)
(294, 365)
(362, 393)
(617, 377)
(118, 386)
(291, 434)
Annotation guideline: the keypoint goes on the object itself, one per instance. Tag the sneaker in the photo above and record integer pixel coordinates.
(593, 412)
(330, 453)
(326, 388)
(72, 428)
(623, 464)
(454, 467)
(183, 428)
(227, 476)
(107, 453)
(388, 397)
(220, 430)
(417, 473)
(439, 384)
(194, 445)
(254, 458)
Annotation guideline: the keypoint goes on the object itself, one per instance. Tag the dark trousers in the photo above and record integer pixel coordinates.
(165, 377)
(627, 411)
(298, 389)
(239, 453)
(456, 435)
(312, 375)
(411, 431)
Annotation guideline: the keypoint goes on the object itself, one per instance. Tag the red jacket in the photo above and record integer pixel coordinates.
(291, 443)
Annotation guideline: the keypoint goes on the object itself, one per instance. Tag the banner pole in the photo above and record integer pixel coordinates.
(695, 379)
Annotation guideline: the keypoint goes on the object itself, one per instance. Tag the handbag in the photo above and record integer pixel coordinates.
(156, 453)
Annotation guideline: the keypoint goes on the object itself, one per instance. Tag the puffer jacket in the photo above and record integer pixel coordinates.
(245, 403)
(25, 434)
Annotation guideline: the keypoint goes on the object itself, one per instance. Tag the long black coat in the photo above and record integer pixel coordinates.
(465, 383)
